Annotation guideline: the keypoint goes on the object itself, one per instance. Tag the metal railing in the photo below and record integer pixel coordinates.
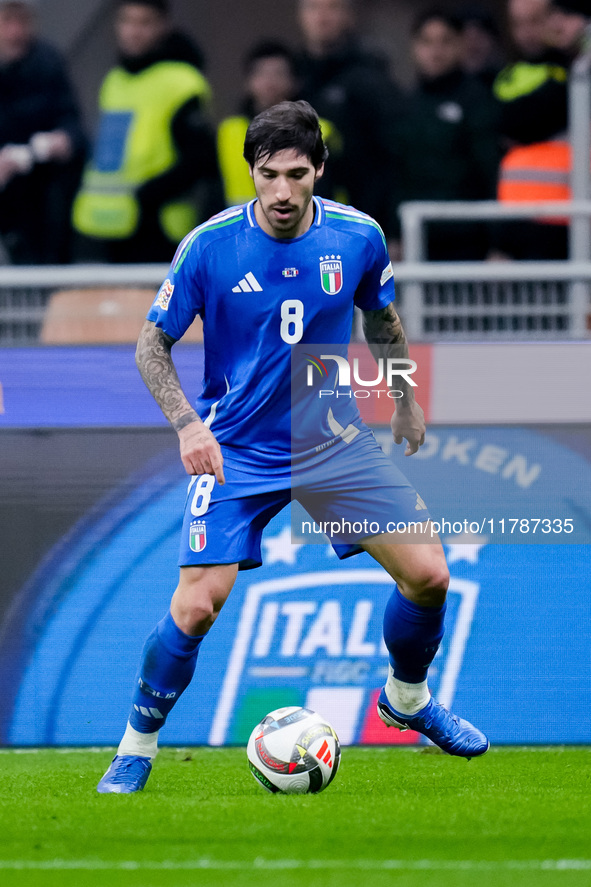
(472, 301)
(501, 299)
(437, 300)
(25, 292)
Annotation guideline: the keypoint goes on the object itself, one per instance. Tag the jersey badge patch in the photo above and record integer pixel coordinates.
(331, 274)
(387, 273)
(290, 272)
(197, 536)
(164, 296)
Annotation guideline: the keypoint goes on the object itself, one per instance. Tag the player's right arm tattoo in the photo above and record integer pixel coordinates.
(154, 361)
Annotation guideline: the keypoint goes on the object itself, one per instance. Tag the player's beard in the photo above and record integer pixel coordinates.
(291, 225)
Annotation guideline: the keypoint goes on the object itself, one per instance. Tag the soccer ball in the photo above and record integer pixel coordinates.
(294, 751)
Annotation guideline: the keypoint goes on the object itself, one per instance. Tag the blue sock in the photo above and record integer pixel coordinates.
(166, 668)
(412, 634)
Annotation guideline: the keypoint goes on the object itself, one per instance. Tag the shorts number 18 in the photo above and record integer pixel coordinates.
(204, 485)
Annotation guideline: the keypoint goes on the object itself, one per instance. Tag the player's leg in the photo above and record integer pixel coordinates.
(222, 529)
(170, 653)
(357, 487)
(413, 629)
(167, 665)
(414, 615)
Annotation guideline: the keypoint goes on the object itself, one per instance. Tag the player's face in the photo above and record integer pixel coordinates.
(284, 185)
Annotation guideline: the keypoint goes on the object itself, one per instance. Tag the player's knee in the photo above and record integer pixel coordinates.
(199, 597)
(195, 617)
(429, 586)
(193, 609)
(438, 585)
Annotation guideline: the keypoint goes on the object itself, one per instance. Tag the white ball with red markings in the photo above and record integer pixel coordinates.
(294, 751)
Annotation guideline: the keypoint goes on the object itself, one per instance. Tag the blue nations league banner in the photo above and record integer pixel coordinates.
(90, 517)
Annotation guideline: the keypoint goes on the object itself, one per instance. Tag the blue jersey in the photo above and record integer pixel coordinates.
(258, 296)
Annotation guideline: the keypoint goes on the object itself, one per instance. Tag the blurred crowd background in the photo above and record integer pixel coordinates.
(121, 123)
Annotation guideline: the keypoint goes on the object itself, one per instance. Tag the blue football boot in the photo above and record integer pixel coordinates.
(452, 734)
(126, 774)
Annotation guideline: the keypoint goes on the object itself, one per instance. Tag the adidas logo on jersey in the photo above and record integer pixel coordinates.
(248, 284)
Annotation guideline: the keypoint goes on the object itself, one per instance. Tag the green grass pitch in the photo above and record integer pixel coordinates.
(393, 816)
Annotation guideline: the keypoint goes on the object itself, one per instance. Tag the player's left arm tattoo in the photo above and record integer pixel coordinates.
(386, 338)
(154, 361)
(384, 327)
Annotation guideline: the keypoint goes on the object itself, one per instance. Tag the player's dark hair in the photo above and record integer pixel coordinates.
(436, 14)
(286, 125)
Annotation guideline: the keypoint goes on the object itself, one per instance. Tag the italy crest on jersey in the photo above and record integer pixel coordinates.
(331, 274)
(197, 536)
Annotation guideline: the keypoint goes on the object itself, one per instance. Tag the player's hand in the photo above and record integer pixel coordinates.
(200, 451)
(408, 422)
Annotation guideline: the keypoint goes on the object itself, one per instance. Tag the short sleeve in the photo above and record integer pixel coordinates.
(180, 298)
(376, 288)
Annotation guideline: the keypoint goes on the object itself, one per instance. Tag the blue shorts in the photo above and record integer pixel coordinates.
(350, 492)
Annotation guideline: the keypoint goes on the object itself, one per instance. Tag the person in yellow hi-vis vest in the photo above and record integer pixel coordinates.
(270, 77)
(154, 144)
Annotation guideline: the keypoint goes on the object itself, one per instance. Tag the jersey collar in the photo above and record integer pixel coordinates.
(318, 214)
